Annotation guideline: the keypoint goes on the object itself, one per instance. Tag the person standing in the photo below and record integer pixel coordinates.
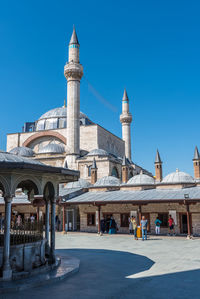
(143, 224)
(112, 229)
(130, 225)
(32, 218)
(158, 223)
(134, 227)
(171, 225)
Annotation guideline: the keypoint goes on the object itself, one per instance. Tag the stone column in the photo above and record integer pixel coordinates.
(188, 221)
(47, 226)
(7, 272)
(64, 232)
(99, 220)
(53, 230)
(139, 214)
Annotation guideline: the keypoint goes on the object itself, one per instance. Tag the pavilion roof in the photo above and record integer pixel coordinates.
(151, 195)
(10, 161)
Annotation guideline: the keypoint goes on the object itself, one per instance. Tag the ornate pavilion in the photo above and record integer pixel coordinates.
(23, 246)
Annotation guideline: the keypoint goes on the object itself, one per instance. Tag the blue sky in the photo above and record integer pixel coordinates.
(150, 47)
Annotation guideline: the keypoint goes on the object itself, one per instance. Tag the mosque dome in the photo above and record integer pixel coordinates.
(97, 152)
(52, 148)
(107, 181)
(141, 179)
(22, 151)
(178, 177)
(81, 183)
(56, 119)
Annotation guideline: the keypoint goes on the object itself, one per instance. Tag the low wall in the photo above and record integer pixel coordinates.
(25, 257)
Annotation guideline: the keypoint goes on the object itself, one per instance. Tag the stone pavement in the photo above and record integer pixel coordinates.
(117, 266)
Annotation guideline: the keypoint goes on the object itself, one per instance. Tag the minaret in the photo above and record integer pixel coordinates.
(196, 163)
(158, 167)
(94, 172)
(73, 72)
(124, 170)
(126, 119)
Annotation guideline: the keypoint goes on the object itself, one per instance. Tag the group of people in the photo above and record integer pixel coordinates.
(171, 226)
(134, 227)
(143, 226)
(108, 225)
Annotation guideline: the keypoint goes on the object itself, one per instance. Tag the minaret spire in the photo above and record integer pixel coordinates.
(158, 167)
(74, 38)
(73, 72)
(126, 119)
(196, 163)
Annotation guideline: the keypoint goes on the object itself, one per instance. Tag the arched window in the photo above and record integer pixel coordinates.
(89, 170)
(115, 172)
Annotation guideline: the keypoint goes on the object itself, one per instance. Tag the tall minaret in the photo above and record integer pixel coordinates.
(126, 119)
(73, 72)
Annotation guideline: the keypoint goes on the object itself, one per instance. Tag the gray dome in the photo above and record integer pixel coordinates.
(107, 181)
(57, 119)
(52, 148)
(141, 179)
(58, 112)
(12, 158)
(178, 177)
(22, 151)
(97, 152)
(81, 183)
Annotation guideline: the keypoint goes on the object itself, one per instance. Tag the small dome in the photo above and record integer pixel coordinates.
(22, 151)
(97, 152)
(178, 177)
(52, 148)
(107, 181)
(141, 179)
(81, 183)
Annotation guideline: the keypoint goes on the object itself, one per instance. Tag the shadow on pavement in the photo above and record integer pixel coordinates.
(103, 275)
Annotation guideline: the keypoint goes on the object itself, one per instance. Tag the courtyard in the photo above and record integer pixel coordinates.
(117, 266)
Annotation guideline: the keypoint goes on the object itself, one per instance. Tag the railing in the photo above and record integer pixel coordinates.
(26, 232)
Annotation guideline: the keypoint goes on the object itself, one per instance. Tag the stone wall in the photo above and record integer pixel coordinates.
(26, 257)
(110, 142)
(152, 209)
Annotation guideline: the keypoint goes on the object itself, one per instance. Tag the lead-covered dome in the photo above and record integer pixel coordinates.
(97, 152)
(107, 181)
(178, 177)
(56, 119)
(81, 183)
(52, 148)
(141, 179)
(22, 151)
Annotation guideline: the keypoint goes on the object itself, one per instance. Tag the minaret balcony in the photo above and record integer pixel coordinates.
(73, 71)
(126, 118)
